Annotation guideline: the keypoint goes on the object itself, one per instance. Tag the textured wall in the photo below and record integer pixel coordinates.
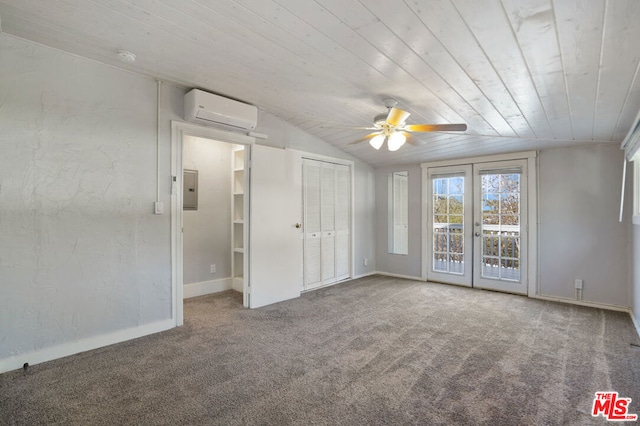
(81, 253)
(580, 236)
(207, 231)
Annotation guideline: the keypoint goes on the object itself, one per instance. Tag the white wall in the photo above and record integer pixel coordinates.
(207, 231)
(580, 237)
(409, 264)
(81, 253)
(84, 262)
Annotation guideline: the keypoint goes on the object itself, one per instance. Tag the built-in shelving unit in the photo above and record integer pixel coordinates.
(238, 182)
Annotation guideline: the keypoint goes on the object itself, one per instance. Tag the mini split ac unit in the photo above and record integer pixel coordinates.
(207, 108)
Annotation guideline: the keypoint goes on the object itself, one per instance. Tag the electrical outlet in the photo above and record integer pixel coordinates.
(213, 269)
(365, 261)
(578, 284)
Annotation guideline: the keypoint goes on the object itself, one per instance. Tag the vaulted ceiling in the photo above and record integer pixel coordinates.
(522, 74)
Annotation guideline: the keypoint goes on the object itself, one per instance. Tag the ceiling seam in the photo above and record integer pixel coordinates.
(564, 71)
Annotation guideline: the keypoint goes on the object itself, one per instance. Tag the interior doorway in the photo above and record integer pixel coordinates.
(213, 216)
(477, 225)
(206, 260)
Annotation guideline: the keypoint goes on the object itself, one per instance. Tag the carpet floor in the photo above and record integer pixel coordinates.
(376, 350)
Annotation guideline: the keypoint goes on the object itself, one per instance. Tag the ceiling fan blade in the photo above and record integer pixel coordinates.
(436, 127)
(365, 138)
(397, 116)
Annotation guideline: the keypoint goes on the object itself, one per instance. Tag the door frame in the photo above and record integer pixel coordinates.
(179, 129)
(532, 209)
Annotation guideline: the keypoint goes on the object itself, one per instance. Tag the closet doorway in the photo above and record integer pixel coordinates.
(207, 244)
(213, 227)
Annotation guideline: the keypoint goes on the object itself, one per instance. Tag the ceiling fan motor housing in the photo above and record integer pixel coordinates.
(380, 119)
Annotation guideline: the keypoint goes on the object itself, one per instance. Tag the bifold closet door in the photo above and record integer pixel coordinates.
(328, 221)
(342, 228)
(326, 206)
(312, 224)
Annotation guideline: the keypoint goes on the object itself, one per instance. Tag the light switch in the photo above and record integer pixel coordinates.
(158, 207)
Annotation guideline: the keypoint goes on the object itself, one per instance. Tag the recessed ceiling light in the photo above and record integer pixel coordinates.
(126, 56)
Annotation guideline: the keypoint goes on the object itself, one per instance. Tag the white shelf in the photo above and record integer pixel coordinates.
(238, 184)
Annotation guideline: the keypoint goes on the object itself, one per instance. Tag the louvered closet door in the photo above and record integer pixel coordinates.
(312, 259)
(327, 213)
(328, 223)
(342, 214)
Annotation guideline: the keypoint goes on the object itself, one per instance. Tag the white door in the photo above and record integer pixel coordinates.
(477, 225)
(275, 242)
(449, 224)
(500, 226)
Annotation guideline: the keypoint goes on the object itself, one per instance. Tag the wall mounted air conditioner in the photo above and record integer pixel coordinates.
(207, 108)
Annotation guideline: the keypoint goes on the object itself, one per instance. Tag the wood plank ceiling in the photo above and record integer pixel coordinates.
(523, 74)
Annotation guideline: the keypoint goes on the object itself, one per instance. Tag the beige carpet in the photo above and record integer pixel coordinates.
(371, 351)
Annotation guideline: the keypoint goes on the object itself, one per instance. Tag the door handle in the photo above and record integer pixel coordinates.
(477, 234)
(298, 225)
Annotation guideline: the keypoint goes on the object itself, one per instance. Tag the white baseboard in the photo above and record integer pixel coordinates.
(367, 274)
(206, 287)
(635, 322)
(65, 349)
(582, 303)
(406, 277)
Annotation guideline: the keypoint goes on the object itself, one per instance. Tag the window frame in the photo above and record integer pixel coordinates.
(636, 189)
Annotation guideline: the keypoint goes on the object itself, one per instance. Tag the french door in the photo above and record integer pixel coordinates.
(477, 225)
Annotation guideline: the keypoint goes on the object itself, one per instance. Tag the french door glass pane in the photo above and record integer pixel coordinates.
(501, 226)
(448, 224)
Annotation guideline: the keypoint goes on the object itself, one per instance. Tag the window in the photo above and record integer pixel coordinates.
(398, 213)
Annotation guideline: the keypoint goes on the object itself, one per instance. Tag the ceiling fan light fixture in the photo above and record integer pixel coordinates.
(377, 141)
(396, 140)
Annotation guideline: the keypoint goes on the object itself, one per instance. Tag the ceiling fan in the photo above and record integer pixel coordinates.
(392, 127)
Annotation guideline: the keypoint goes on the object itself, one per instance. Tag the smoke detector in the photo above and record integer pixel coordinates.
(126, 56)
